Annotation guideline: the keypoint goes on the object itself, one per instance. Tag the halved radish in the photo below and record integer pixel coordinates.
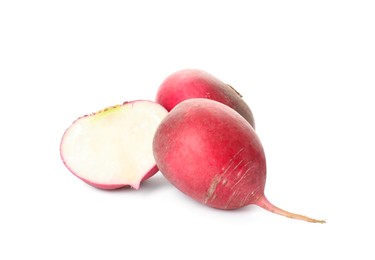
(112, 148)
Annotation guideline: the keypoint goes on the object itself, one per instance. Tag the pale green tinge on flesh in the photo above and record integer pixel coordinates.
(113, 146)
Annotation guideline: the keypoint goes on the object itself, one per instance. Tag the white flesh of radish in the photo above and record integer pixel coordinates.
(113, 146)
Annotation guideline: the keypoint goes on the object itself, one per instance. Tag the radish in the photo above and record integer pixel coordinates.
(112, 148)
(194, 83)
(212, 154)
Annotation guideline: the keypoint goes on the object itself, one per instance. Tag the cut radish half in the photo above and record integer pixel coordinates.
(112, 148)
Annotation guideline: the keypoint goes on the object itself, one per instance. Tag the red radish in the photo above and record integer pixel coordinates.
(193, 83)
(112, 148)
(212, 154)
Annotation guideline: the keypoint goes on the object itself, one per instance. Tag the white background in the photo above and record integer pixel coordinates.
(306, 69)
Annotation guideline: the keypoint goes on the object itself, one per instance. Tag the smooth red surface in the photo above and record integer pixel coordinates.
(193, 83)
(211, 153)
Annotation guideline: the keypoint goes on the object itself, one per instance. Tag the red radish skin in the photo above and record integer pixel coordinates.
(194, 83)
(102, 186)
(212, 154)
(112, 148)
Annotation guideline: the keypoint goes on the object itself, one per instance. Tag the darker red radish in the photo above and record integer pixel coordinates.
(212, 154)
(194, 83)
(112, 148)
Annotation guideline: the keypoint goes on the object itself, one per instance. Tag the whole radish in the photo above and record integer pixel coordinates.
(194, 83)
(212, 154)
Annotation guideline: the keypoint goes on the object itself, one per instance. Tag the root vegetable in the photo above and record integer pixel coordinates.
(212, 154)
(112, 148)
(194, 83)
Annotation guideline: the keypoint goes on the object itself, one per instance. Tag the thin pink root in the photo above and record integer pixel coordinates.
(264, 203)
